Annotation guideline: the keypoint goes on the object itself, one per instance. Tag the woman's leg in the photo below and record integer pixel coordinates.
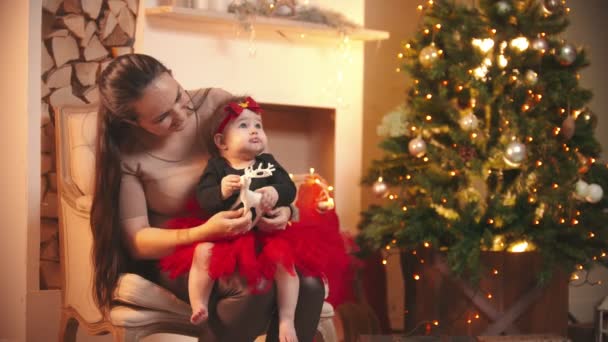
(308, 311)
(235, 314)
(287, 299)
(200, 283)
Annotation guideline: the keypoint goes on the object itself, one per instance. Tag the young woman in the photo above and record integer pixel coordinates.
(150, 156)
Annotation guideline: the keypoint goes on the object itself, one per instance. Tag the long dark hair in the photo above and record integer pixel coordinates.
(120, 84)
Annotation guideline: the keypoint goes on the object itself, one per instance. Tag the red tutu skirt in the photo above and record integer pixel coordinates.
(313, 246)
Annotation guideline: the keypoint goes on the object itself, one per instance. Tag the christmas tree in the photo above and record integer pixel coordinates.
(494, 147)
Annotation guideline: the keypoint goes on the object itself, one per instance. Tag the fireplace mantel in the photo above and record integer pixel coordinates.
(291, 30)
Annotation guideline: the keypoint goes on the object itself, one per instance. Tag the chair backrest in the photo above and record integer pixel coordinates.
(75, 130)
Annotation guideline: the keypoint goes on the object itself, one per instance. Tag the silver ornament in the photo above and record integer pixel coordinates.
(515, 153)
(503, 7)
(594, 193)
(540, 44)
(417, 147)
(428, 55)
(531, 77)
(468, 122)
(379, 188)
(566, 54)
(553, 6)
(581, 188)
(568, 127)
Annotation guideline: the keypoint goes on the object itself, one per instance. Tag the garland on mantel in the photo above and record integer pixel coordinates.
(289, 9)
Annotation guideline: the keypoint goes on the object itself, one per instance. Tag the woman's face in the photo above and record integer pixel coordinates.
(163, 107)
(244, 136)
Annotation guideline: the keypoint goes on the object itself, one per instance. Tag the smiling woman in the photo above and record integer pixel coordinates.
(149, 160)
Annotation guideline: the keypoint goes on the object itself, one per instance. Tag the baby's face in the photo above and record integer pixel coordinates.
(244, 136)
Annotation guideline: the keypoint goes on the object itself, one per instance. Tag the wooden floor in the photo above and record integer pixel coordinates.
(520, 338)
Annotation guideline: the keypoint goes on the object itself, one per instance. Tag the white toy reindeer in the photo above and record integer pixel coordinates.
(249, 198)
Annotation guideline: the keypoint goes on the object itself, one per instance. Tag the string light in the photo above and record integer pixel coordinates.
(489, 296)
(416, 277)
(384, 261)
(427, 245)
(404, 208)
(429, 96)
(495, 272)
(539, 163)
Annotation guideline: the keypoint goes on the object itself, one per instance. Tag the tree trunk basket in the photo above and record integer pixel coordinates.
(440, 303)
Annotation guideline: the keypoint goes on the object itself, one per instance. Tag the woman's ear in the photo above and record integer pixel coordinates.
(218, 139)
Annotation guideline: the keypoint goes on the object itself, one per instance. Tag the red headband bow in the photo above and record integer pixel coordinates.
(234, 109)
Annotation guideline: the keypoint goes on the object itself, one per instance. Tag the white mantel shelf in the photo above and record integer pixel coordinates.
(292, 30)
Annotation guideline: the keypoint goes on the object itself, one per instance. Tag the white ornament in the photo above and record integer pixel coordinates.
(379, 187)
(417, 147)
(594, 193)
(515, 153)
(581, 188)
(469, 122)
(531, 77)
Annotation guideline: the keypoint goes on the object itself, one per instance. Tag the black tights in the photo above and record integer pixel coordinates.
(235, 315)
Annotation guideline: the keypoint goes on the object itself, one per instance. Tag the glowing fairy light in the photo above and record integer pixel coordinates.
(520, 43)
(502, 61)
(519, 247)
(484, 45)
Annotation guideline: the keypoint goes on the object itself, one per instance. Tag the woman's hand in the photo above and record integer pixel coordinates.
(227, 223)
(277, 220)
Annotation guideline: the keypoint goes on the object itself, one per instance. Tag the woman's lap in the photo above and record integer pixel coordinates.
(238, 315)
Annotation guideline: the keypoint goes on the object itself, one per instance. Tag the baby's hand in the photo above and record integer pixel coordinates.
(230, 184)
(270, 196)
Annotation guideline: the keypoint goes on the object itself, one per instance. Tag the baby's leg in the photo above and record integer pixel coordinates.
(288, 287)
(199, 283)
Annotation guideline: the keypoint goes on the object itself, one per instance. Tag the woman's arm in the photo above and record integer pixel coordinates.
(147, 242)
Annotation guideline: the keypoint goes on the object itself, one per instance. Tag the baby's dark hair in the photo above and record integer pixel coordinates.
(215, 120)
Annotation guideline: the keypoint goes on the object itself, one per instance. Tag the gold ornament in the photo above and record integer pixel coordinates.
(428, 55)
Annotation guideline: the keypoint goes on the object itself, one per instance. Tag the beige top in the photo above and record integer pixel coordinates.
(157, 186)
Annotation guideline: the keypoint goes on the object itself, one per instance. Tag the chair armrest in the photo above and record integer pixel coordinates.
(74, 198)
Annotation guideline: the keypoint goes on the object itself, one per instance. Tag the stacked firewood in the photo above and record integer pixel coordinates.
(79, 39)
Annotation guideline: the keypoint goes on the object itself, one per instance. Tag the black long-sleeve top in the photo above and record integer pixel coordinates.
(209, 193)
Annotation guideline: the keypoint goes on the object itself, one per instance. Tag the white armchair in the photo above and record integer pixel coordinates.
(142, 308)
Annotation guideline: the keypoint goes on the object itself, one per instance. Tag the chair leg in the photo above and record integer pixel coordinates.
(124, 335)
(68, 328)
(327, 330)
